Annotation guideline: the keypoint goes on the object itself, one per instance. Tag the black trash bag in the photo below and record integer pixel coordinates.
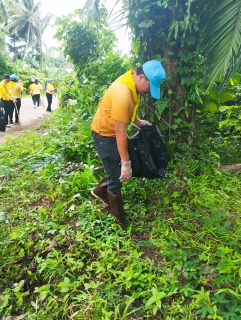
(2, 117)
(148, 153)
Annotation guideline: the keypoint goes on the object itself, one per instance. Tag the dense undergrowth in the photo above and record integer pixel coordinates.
(62, 258)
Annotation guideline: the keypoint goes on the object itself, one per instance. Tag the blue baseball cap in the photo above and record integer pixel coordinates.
(13, 77)
(155, 73)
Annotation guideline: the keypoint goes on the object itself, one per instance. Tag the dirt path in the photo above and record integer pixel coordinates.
(29, 117)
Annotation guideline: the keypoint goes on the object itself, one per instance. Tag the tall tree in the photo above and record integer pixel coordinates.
(5, 63)
(22, 19)
(24, 22)
(25, 25)
(81, 44)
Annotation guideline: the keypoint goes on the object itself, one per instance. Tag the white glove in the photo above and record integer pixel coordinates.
(126, 171)
(144, 123)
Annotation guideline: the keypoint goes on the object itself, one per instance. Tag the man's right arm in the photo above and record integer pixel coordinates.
(122, 146)
(121, 140)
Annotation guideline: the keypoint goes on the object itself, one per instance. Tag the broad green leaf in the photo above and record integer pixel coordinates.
(211, 106)
(234, 80)
(227, 94)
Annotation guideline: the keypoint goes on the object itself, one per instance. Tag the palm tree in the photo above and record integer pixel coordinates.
(22, 19)
(15, 47)
(24, 22)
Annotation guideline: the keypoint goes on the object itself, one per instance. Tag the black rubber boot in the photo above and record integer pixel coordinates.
(100, 191)
(117, 210)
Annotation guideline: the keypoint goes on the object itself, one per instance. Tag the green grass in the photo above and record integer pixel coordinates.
(63, 257)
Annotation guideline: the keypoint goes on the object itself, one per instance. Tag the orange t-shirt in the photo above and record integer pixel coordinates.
(116, 104)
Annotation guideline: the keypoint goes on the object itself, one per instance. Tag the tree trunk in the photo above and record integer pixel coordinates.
(27, 43)
(40, 45)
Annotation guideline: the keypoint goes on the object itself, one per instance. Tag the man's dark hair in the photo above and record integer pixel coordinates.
(139, 70)
(36, 81)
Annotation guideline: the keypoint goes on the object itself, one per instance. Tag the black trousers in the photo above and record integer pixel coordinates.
(6, 106)
(49, 97)
(13, 110)
(36, 99)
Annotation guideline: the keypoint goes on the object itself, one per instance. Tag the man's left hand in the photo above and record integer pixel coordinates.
(126, 171)
(143, 123)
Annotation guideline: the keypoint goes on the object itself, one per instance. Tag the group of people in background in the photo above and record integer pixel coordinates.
(11, 89)
(35, 89)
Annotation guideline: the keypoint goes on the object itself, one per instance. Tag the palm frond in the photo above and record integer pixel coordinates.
(222, 38)
(3, 12)
(90, 6)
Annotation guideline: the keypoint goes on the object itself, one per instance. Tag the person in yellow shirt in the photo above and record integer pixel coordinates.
(5, 96)
(117, 107)
(30, 88)
(50, 89)
(16, 91)
(35, 92)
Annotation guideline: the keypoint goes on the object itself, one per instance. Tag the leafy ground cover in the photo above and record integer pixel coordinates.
(63, 257)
